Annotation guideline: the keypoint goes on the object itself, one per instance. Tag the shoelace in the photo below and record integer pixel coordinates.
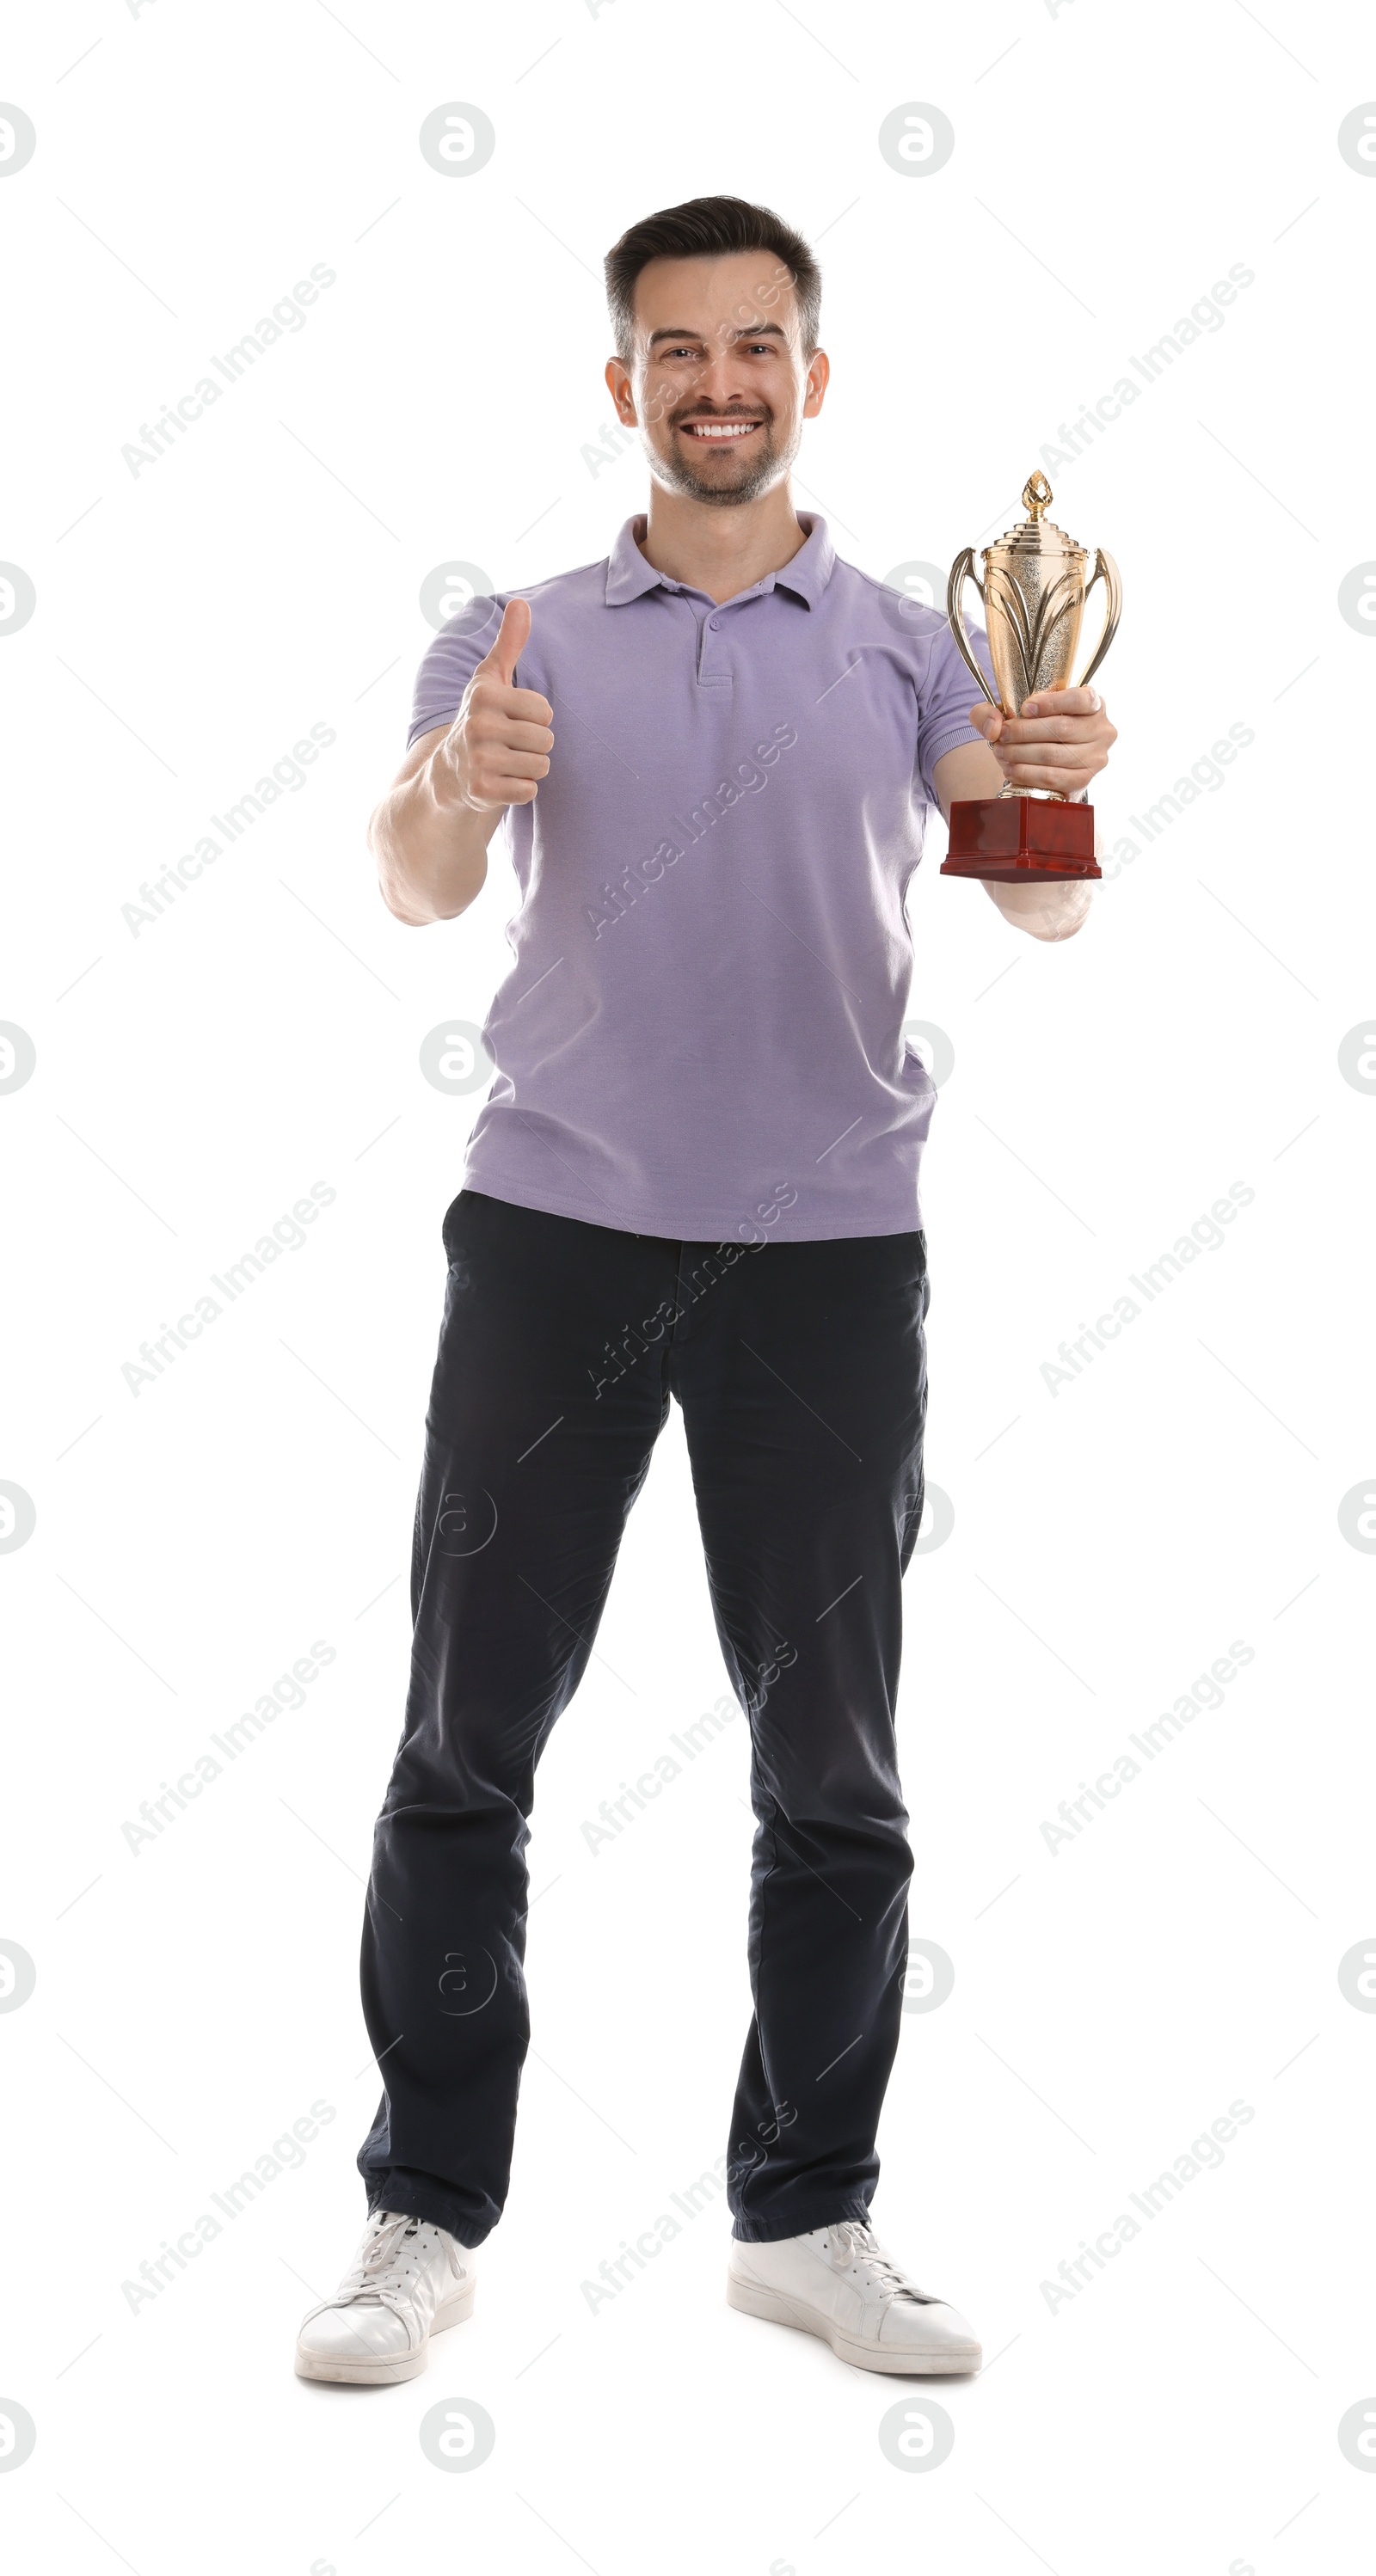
(883, 2271)
(385, 2266)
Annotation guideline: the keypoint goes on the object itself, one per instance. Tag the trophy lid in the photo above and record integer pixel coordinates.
(1036, 534)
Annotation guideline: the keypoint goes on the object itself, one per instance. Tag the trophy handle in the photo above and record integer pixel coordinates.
(1105, 570)
(963, 570)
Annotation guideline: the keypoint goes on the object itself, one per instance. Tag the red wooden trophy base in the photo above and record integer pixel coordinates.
(1019, 839)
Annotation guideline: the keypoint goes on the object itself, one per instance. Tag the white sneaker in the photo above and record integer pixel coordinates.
(839, 2283)
(409, 2280)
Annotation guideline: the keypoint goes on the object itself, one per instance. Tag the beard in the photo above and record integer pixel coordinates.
(728, 481)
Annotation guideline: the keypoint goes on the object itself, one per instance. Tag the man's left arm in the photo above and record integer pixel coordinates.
(1061, 740)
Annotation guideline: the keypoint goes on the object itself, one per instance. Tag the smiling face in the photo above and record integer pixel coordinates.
(718, 381)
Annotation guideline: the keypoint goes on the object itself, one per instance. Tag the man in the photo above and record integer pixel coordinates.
(694, 1177)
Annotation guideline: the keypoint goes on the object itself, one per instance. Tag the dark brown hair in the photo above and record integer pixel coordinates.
(707, 228)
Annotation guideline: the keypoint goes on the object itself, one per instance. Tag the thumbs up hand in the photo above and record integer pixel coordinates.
(497, 748)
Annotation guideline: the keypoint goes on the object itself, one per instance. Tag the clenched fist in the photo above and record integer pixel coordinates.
(1061, 740)
(497, 748)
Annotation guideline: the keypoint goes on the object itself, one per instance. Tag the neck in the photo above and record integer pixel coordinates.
(718, 548)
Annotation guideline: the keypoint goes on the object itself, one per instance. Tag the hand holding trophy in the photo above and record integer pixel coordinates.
(1033, 592)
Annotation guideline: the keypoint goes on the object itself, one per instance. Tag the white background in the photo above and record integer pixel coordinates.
(1110, 1540)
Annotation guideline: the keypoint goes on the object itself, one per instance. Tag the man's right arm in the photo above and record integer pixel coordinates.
(430, 833)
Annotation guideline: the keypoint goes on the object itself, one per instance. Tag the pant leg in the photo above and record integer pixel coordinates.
(534, 1452)
(802, 1375)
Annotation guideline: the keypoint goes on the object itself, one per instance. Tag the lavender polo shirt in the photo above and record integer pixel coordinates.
(701, 1035)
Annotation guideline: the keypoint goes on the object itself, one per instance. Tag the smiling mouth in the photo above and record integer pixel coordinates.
(719, 432)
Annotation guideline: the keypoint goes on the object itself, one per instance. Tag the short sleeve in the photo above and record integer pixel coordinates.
(449, 662)
(945, 695)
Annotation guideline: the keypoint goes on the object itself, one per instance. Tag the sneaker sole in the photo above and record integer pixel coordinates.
(382, 2373)
(951, 2361)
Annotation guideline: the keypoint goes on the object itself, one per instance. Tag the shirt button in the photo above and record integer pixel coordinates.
(714, 621)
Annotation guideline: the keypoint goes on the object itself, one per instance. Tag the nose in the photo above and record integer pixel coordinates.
(720, 384)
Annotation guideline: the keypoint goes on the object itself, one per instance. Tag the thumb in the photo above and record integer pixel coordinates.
(512, 638)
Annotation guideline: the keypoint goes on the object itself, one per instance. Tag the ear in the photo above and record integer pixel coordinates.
(618, 385)
(818, 378)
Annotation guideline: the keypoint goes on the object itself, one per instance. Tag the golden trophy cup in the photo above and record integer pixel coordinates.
(1033, 593)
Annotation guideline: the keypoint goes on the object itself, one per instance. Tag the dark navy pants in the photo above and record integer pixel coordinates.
(801, 1372)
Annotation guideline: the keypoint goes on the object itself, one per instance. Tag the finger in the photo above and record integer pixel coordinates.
(495, 792)
(527, 706)
(1051, 755)
(1057, 760)
(1063, 702)
(507, 705)
(496, 731)
(512, 637)
(1064, 782)
(504, 764)
(1081, 729)
(987, 720)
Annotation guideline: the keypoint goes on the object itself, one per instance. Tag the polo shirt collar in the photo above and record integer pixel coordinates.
(629, 576)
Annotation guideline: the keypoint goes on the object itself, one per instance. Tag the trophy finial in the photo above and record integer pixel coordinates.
(1037, 495)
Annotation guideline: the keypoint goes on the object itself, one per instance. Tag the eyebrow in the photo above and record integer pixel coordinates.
(748, 331)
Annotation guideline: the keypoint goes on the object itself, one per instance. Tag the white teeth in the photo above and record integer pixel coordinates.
(725, 429)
